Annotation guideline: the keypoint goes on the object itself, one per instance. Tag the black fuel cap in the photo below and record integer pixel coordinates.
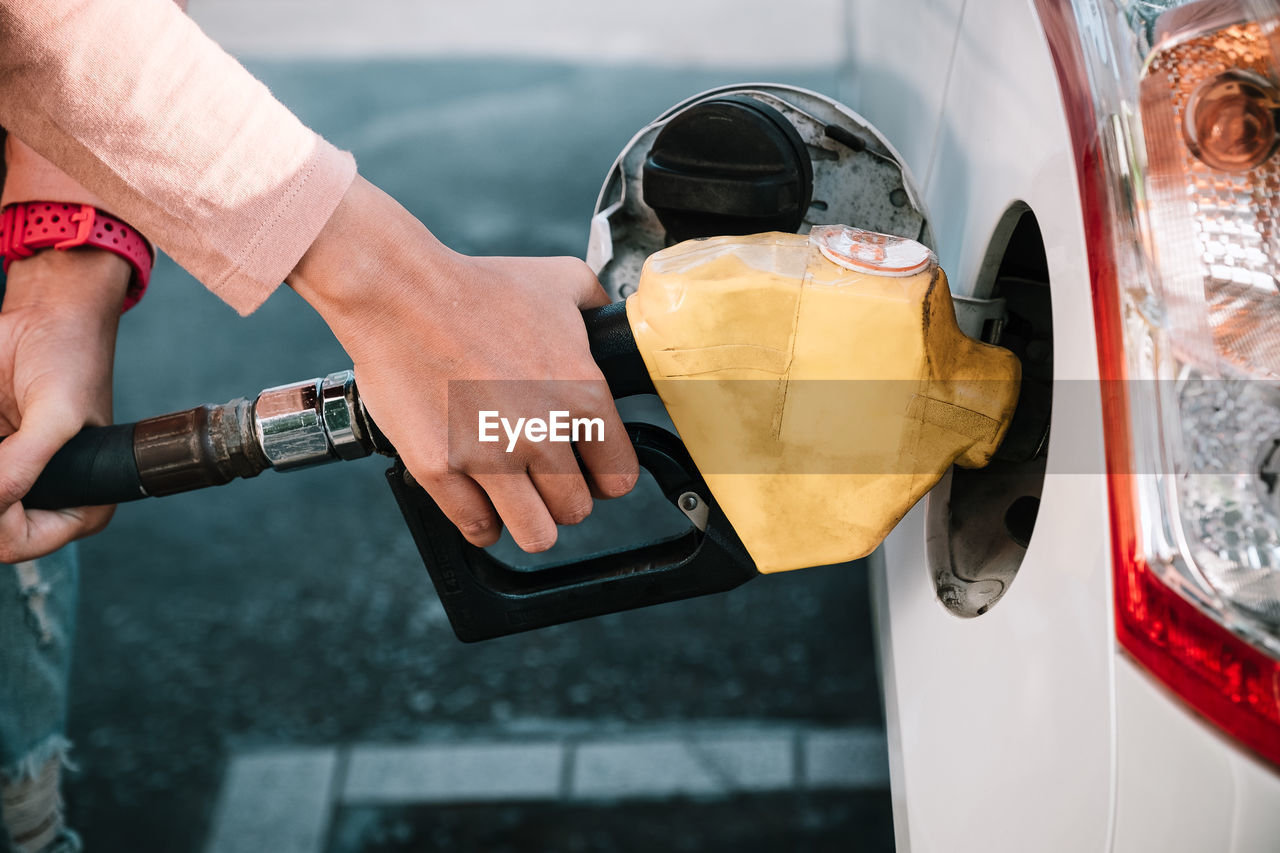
(731, 165)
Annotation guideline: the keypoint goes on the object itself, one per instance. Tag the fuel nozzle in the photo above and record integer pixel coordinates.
(820, 383)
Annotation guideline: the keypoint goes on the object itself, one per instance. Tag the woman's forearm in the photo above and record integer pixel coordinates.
(135, 103)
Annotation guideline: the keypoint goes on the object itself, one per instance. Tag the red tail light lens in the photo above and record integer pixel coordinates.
(1172, 113)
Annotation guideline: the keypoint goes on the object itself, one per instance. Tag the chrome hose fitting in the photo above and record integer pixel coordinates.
(287, 427)
(311, 422)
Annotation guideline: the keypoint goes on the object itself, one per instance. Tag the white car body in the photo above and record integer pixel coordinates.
(1026, 728)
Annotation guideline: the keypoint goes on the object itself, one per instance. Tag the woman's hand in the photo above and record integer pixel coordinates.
(57, 344)
(431, 332)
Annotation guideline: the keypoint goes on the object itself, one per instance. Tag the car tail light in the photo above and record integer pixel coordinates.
(1172, 109)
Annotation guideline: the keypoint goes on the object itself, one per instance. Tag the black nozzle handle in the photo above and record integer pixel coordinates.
(614, 349)
(486, 598)
(96, 467)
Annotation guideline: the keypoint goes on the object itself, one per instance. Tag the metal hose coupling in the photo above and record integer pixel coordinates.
(311, 422)
(286, 427)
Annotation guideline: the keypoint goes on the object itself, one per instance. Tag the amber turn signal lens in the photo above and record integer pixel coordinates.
(1230, 122)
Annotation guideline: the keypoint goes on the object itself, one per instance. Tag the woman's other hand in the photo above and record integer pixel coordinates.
(57, 345)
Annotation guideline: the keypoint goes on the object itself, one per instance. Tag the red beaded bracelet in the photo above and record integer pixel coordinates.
(27, 227)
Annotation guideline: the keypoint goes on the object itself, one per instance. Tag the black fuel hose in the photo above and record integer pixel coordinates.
(96, 467)
(186, 450)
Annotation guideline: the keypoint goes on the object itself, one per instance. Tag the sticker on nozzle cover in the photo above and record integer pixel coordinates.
(869, 252)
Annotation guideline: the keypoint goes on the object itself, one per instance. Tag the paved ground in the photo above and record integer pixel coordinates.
(291, 615)
(564, 787)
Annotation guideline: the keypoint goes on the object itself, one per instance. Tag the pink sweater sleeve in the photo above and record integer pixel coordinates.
(30, 177)
(133, 101)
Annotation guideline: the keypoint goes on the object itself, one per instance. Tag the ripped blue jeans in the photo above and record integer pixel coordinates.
(37, 626)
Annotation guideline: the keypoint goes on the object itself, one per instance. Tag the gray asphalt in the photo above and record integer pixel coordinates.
(294, 608)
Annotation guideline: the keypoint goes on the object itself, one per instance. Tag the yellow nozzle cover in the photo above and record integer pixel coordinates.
(819, 382)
